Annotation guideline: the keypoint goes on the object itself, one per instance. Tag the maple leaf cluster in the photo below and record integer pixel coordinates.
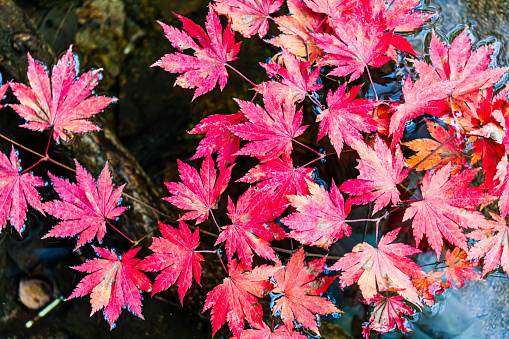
(438, 183)
(466, 124)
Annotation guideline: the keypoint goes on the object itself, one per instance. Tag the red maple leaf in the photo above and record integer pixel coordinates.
(85, 206)
(458, 269)
(279, 174)
(198, 192)
(468, 71)
(218, 138)
(16, 190)
(295, 74)
(346, 117)
(360, 40)
(248, 16)
(447, 204)
(208, 65)
(63, 104)
(114, 283)
(380, 173)
(320, 216)
(388, 313)
(272, 130)
(175, 257)
(297, 29)
(493, 247)
(235, 300)
(252, 226)
(382, 268)
(264, 332)
(298, 292)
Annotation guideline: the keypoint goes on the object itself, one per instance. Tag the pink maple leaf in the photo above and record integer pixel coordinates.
(270, 131)
(494, 248)
(320, 216)
(382, 268)
(360, 40)
(16, 190)
(402, 16)
(467, 70)
(280, 174)
(423, 96)
(252, 226)
(296, 75)
(447, 204)
(198, 192)
(85, 206)
(248, 16)
(388, 313)
(208, 65)
(63, 104)
(175, 257)
(218, 137)
(298, 292)
(236, 299)
(346, 117)
(114, 283)
(380, 173)
(330, 7)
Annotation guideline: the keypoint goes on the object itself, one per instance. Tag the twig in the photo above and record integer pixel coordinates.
(242, 75)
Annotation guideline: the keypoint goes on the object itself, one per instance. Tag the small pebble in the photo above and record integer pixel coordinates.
(34, 293)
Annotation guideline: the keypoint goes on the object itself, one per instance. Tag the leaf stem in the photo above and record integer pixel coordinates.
(370, 209)
(315, 101)
(61, 165)
(309, 148)
(288, 28)
(222, 263)
(146, 235)
(242, 75)
(29, 168)
(254, 96)
(214, 218)
(20, 145)
(49, 142)
(372, 84)
(433, 263)
(359, 220)
(312, 161)
(283, 250)
(116, 229)
(44, 157)
(406, 189)
(148, 206)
